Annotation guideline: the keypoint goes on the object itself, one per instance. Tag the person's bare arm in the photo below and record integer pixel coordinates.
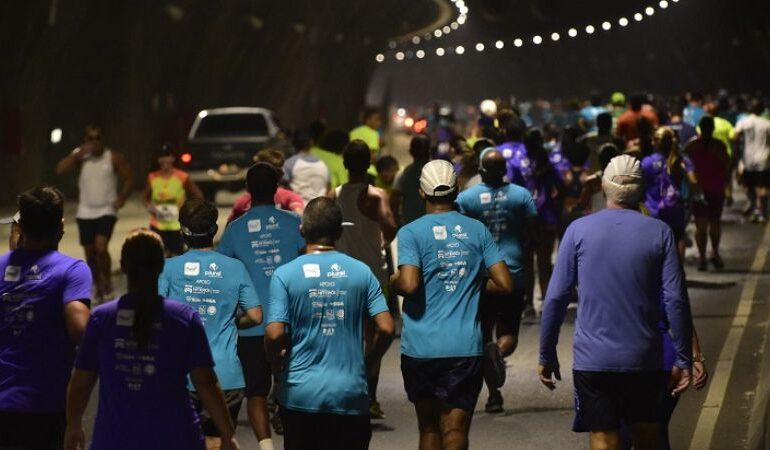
(75, 319)
(406, 280)
(72, 160)
(192, 190)
(385, 215)
(123, 170)
(79, 391)
(500, 282)
(207, 387)
(699, 372)
(396, 198)
(250, 317)
(384, 330)
(276, 344)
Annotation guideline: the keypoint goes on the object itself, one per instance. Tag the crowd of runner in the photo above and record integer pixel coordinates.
(295, 306)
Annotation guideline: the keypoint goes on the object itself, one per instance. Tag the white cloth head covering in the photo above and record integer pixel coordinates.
(438, 178)
(623, 180)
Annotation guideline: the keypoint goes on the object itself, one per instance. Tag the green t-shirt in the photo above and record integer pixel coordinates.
(338, 175)
(723, 131)
(368, 135)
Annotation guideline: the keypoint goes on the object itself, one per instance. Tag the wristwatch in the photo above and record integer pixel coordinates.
(698, 357)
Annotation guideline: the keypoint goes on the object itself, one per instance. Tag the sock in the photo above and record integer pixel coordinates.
(266, 444)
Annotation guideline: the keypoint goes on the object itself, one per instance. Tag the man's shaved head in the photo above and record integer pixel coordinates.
(493, 166)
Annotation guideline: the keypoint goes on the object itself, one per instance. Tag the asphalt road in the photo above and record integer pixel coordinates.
(535, 418)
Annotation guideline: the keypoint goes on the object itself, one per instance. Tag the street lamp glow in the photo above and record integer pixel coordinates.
(460, 50)
(461, 20)
(400, 56)
(380, 57)
(446, 29)
(518, 42)
(460, 3)
(663, 4)
(439, 51)
(437, 33)
(638, 17)
(537, 40)
(555, 37)
(56, 135)
(499, 44)
(572, 32)
(590, 29)
(623, 22)
(606, 26)
(464, 10)
(454, 25)
(479, 47)
(416, 40)
(649, 10)
(420, 54)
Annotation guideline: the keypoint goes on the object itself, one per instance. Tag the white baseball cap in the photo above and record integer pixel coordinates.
(12, 219)
(623, 179)
(438, 178)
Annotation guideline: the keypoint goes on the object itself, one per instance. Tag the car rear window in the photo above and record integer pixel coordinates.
(216, 125)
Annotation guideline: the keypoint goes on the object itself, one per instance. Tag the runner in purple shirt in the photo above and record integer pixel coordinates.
(44, 299)
(618, 350)
(141, 348)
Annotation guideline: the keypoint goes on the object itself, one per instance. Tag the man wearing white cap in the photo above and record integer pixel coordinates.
(630, 281)
(442, 258)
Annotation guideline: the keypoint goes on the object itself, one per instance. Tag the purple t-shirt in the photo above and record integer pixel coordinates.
(143, 398)
(664, 196)
(521, 171)
(36, 352)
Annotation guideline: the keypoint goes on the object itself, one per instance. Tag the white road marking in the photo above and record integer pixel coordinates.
(720, 378)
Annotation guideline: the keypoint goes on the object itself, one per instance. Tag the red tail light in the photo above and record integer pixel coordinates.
(186, 158)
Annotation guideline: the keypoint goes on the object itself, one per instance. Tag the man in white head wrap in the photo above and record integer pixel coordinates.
(628, 270)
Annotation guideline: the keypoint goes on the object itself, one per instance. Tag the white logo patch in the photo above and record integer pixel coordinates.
(439, 232)
(255, 226)
(12, 273)
(192, 269)
(485, 197)
(125, 318)
(311, 270)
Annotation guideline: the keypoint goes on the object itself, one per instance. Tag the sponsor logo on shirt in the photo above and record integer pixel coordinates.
(192, 269)
(485, 197)
(211, 310)
(507, 153)
(459, 233)
(255, 226)
(125, 318)
(439, 232)
(311, 270)
(12, 273)
(501, 195)
(34, 273)
(336, 271)
(272, 224)
(213, 271)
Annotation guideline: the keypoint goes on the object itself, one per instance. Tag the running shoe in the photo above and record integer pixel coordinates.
(716, 260)
(494, 366)
(494, 403)
(703, 265)
(375, 412)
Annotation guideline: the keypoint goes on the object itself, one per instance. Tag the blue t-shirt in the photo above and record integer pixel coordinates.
(263, 239)
(36, 353)
(621, 283)
(324, 298)
(590, 113)
(452, 252)
(504, 210)
(215, 286)
(693, 114)
(143, 397)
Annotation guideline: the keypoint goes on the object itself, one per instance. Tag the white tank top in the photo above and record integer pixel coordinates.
(362, 240)
(98, 186)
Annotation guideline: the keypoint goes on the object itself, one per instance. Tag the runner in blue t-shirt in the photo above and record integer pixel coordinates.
(44, 300)
(509, 212)
(317, 307)
(216, 286)
(442, 259)
(264, 238)
(141, 348)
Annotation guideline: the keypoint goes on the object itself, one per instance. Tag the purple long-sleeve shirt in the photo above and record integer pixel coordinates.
(624, 265)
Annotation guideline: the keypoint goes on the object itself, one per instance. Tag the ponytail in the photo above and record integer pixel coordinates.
(142, 261)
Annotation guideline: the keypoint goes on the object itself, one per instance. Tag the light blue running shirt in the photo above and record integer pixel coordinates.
(214, 285)
(453, 252)
(324, 298)
(262, 239)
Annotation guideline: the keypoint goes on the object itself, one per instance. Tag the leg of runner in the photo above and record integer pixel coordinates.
(715, 233)
(103, 265)
(605, 440)
(90, 253)
(488, 318)
(455, 424)
(544, 254)
(372, 371)
(428, 421)
(646, 436)
(259, 418)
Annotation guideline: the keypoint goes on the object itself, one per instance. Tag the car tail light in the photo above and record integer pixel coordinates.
(186, 158)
